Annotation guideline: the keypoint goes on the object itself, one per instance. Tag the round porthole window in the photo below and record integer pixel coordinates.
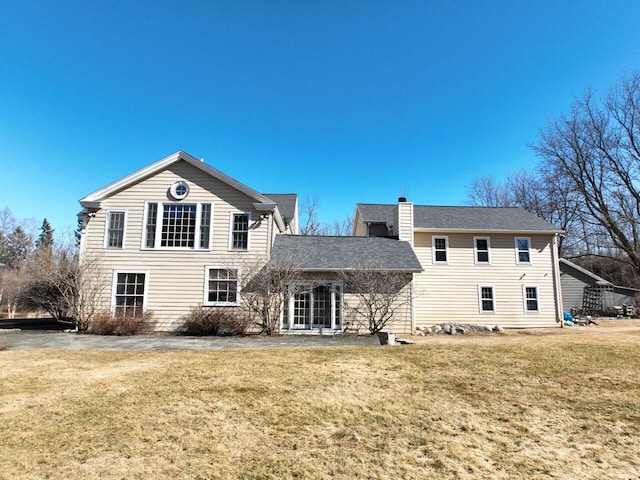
(179, 190)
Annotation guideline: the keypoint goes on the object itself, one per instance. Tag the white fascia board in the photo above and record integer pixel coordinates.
(325, 270)
(442, 231)
(99, 195)
(271, 207)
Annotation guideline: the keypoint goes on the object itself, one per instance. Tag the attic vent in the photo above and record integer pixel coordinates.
(179, 190)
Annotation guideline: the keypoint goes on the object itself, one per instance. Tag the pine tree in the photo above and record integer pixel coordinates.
(15, 248)
(45, 240)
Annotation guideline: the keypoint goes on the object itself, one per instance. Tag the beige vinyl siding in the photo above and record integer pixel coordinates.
(405, 221)
(359, 227)
(449, 292)
(176, 277)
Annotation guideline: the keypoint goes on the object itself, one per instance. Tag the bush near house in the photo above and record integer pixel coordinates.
(215, 321)
(105, 324)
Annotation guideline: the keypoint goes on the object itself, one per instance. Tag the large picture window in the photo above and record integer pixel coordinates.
(178, 225)
(129, 294)
(221, 286)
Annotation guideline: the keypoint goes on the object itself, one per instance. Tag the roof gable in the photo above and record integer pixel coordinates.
(94, 200)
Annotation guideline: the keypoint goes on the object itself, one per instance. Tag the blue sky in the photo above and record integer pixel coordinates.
(349, 101)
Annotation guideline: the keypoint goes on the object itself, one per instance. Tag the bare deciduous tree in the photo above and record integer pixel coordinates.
(596, 148)
(377, 296)
(262, 291)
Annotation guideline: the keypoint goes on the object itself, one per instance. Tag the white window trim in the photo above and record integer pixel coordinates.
(518, 262)
(334, 284)
(230, 245)
(475, 250)
(446, 249)
(160, 213)
(114, 286)
(106, 228)
(524, 298)
(205, 294)
(493, 298)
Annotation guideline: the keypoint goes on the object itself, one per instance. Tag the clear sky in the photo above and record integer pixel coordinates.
(351, 100)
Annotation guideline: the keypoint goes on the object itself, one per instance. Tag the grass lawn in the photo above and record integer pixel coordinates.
(524, 404)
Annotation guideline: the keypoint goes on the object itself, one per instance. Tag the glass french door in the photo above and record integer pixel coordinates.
(315, 308)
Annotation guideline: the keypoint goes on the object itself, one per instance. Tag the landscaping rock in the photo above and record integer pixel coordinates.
(498, 329)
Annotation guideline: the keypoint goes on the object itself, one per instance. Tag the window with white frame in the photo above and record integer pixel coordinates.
(115, 229)
(221, 286)
(440, 249)
(239, 238)
(531, 299)
(486, 299)
(310, 305)
(129, 294)
(523, 250)
(177, 225)
(482, 246)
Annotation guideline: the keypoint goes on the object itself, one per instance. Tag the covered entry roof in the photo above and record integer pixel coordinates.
(320, 253)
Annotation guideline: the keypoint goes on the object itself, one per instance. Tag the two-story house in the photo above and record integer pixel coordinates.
(179, 234)
(481, 265)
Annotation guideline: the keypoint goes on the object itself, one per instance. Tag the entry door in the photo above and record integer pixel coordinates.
(322, 306)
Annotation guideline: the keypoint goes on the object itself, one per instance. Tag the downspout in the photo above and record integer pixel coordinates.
(556, 281)
(413, 306)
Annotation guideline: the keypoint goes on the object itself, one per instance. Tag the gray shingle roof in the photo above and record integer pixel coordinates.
(319, 253)
(286, 204)
(509, 219)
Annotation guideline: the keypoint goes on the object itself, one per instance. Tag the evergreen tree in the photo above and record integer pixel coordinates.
(45, 239)
(15, 248)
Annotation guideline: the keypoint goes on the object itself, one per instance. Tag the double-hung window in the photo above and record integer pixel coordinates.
(531, 299)
(177, 225)
(486, 299)
(481, 247)
(221, 286)
(129, 294)
(114, 237)
(239, 238)
(440, 249)
(523, 250)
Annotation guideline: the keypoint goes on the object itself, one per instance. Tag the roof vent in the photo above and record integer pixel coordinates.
(402, 199)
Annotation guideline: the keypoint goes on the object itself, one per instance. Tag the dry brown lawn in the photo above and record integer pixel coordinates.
(526, 404)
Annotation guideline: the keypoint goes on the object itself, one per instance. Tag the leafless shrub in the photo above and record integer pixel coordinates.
(262, 291)
(103, 323)
(215, 321)
(379, 296)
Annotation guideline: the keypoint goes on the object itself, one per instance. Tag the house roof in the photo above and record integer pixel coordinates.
(320, 253)
(286, 204)
(445, 218)
(94, 199)
(567, 264)
(262, 203)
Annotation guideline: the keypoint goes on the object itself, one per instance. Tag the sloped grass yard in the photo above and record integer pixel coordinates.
(530, 404)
